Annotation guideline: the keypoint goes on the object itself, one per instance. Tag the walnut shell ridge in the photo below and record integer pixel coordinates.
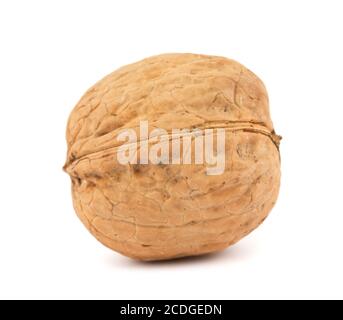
(156, 212)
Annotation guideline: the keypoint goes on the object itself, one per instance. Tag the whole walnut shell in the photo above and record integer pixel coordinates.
(155, 212)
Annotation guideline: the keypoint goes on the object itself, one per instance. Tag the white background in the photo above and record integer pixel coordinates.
(52, 51)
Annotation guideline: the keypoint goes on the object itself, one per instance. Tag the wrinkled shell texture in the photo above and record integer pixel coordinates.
(156, 212)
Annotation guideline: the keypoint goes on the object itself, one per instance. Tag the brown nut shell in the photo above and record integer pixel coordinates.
(156, 212)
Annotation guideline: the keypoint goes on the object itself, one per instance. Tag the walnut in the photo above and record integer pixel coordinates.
(160, 211)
